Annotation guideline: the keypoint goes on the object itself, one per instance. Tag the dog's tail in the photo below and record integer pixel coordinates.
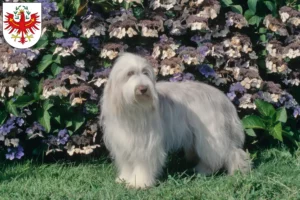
(238, 160)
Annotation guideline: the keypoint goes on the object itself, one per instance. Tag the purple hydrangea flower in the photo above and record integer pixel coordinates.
(296, 112)
(199, 39)
(47, 8)
(288, 100)
(75, 30)
(203, 50)
(163, 38)
(31, 55)
(103, 72)
(11, 124)
(182, 77)
(56, 20)
(20, 121)
(6, 128)
(66, 42)
(94, 42)
(206, 70)
(176, 77)
(237, 87)
(35, 128)
(63, 137)
(16, 152)
(231, 95)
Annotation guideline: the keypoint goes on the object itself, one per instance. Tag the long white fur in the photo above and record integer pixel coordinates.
(139, 130)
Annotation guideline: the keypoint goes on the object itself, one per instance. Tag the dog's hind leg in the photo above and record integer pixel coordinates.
(203, 169)
(211, 151)
(237, 160)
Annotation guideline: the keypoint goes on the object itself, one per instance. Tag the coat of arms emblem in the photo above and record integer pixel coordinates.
(22, 24)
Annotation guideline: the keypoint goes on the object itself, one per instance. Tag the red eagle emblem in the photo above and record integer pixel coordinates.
(23, 26)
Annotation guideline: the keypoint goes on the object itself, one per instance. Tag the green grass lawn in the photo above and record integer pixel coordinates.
(276, 176)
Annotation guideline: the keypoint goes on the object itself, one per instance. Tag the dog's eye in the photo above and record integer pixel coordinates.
(130, 73)
(146, 73)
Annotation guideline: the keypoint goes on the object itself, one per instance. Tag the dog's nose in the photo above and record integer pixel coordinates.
(143, 89)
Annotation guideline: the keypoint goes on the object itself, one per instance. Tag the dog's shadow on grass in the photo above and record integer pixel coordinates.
(177, 166)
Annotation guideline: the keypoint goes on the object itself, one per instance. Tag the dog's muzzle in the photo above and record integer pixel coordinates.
(142, 90)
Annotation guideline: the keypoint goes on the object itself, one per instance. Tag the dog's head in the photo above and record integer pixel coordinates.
(133, 78)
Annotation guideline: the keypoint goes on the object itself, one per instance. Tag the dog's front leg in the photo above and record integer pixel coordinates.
(125, 170)
(143, 175)
(147, 169)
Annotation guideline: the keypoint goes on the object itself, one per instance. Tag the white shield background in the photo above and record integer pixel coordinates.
(33, 8)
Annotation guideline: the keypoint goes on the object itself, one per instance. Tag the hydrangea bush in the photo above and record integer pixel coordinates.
(49, 94)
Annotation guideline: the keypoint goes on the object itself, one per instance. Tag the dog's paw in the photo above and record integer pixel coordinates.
(137, 186)
(119, 180)
(140, 183)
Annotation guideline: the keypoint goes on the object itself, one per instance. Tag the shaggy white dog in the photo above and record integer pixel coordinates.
(144, 120)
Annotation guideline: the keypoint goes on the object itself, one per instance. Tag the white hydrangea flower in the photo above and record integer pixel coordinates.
(165, 70)
(284, 17)
(111, 54)
(100, 81)
(245, 102)
(169, 53)
(77, 100)
(58, 91)
(79, 63)
(198, 26)
(156, 52)
(147, 32)
(73, 79)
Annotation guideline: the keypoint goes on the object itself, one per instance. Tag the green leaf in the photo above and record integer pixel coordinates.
(67, 23)
(248, 14)
(265, 108)
(263, 38)
(255, 20)
(92, 108)
(41, 44)
(55, 69)
(57, 60)
(47, 104)
(11, 108)
(253, 121)
(44, 119)
(55, 114)
(226, 3)
(237, 9)
(252, 5)
(76, 5)
(138, 12)
(46, 61)
(3, 116)
(40, 86)
(68, 123)
(77, 121)
(250, 132)
(57, 34)
(270, 5)
(23, 101)
(281, 115)
(276, 132)
(58, 119)
(262, 30)
(70, 132)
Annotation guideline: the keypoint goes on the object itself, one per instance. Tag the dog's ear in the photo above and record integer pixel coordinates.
(108, 86)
